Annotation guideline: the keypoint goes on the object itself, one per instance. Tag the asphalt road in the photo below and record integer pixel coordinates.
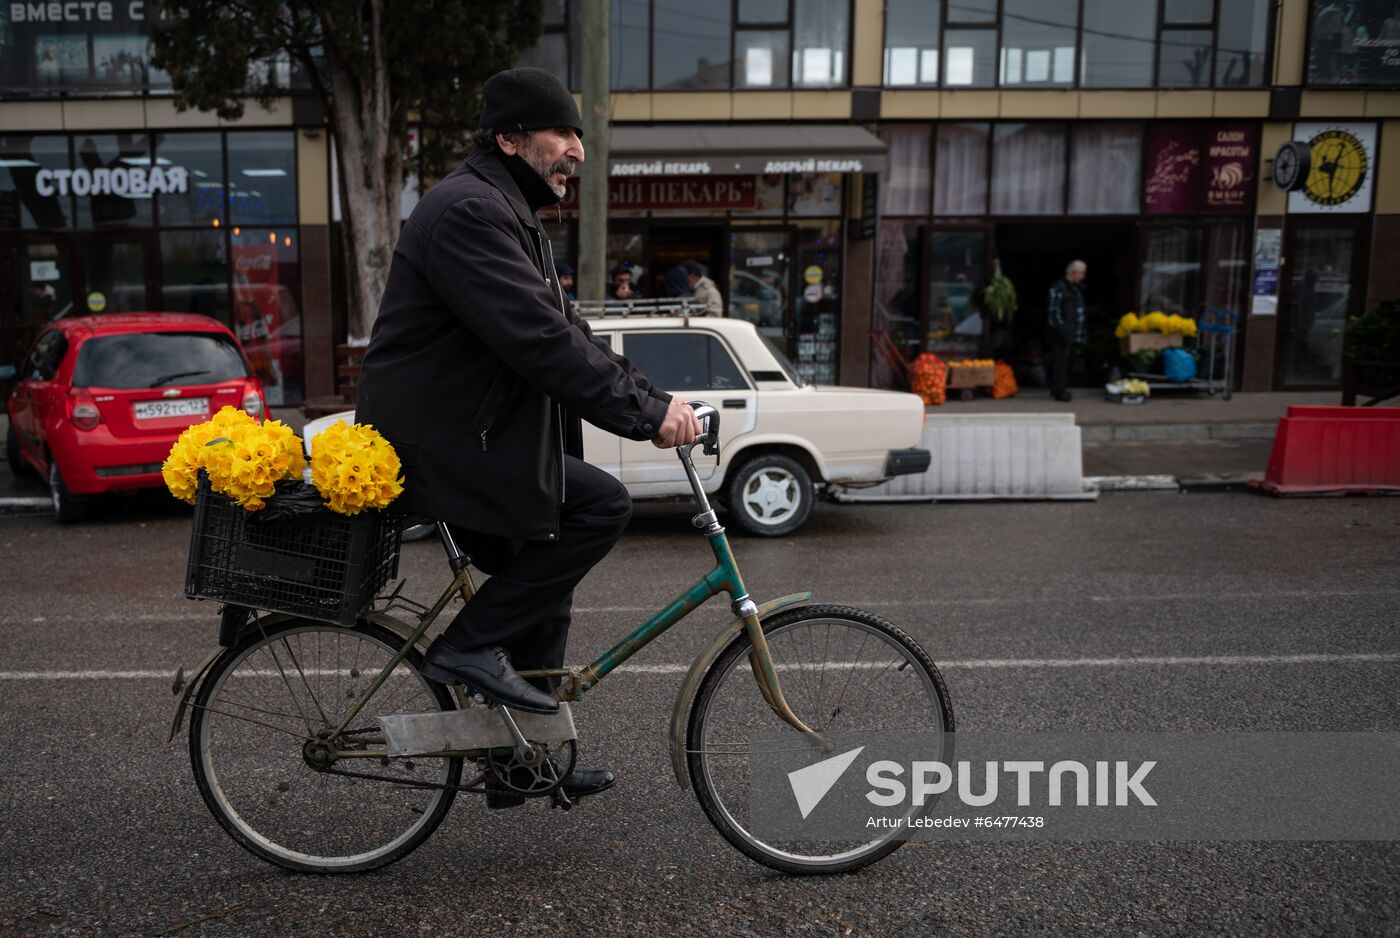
(104, 833)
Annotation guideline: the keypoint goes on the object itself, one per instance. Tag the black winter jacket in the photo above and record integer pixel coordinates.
(477, 371)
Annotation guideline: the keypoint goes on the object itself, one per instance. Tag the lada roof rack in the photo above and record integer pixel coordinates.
(679, 306)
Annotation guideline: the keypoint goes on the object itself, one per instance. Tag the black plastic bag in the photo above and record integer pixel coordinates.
(293, 500)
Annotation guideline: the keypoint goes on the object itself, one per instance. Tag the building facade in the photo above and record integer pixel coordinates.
(848, 170)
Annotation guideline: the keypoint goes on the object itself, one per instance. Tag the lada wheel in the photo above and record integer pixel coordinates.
(770, 495)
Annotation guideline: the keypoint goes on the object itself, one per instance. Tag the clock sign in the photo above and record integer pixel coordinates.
(1291, 165)
(1331, 171)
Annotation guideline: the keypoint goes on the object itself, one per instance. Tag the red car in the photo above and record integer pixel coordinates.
(100, 399)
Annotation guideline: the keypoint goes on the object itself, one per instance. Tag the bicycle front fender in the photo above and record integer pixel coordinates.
(691, 685)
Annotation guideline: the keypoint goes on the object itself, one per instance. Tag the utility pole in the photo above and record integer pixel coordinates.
(593, 174)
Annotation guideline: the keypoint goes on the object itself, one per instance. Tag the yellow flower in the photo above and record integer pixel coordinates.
(243, 458)
(355, 468)
(1154, 322)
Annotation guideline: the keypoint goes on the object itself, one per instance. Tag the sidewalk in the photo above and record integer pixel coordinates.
(1178, 440)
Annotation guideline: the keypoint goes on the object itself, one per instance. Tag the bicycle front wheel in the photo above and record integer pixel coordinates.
(288, 686)
(844, 672)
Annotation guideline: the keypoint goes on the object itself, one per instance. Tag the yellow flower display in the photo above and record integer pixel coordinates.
(973, 363)
(355, 468)
(1155, 322)
(243, 458)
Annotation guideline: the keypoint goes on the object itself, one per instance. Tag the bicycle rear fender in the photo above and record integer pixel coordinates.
(691, 685)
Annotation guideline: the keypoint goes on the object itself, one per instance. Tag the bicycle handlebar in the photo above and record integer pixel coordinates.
(710, 436)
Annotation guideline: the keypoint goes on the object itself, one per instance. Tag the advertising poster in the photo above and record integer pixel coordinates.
(1173, 169)
(1231, 155)
(1343, 168)
(257, 313)
(1263, 300)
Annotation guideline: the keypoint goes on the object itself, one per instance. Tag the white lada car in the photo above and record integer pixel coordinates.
(782, 442)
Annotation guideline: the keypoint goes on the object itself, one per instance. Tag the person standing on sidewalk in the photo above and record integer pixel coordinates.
(1065, 316)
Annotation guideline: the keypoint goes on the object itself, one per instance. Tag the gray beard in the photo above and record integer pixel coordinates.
(547, 169)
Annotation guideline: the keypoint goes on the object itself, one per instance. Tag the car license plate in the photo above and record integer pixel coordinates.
(177, 407)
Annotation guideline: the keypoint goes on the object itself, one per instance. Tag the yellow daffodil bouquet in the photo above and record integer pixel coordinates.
(355, 468)
(244, 459)
(1156, 322)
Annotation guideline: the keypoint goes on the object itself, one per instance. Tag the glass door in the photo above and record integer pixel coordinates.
(957, 270)
(760, 282)
(115, 274)
(1323, 262)
(36, 286)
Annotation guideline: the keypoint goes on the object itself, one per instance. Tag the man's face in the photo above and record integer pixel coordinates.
(566, 281)
(553, 153)
(1077, 275)
(694, 280)
(623, 281)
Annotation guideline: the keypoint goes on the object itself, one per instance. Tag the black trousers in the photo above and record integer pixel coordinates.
(525, 606)
(1061, 347)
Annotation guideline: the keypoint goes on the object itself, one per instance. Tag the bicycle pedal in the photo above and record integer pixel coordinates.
(561, 800)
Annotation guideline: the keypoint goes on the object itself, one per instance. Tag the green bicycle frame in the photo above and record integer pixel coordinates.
(724, 578)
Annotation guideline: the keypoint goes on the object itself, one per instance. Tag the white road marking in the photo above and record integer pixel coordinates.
(997, 663)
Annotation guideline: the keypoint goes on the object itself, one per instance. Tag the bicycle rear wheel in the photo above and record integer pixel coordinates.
(844, 672)
(260, 705)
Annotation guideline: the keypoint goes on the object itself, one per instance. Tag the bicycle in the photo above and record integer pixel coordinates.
(321, 748)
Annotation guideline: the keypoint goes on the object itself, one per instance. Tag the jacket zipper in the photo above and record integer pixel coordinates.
(494, 393)
(547, 252)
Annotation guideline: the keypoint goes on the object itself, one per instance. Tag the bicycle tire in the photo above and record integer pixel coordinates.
(696, 764)
(219, 807)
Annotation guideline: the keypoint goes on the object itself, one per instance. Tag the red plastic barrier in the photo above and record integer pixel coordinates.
(1319, 450)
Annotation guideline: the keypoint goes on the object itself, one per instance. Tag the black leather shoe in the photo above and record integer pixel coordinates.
(577, 784)
(489, 671)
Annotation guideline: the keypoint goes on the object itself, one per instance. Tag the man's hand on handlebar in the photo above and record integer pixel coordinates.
(679, 428)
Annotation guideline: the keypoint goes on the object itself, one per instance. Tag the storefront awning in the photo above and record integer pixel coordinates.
(698, 150)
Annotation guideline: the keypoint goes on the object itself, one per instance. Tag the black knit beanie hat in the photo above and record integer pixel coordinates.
(521, 99)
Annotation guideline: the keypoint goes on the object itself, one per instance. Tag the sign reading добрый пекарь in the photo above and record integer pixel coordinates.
(131, 182)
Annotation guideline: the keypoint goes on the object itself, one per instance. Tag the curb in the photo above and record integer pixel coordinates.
(25, 505)
(1176, 432)
(1207, 482)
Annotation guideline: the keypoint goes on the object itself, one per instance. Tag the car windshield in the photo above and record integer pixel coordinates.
(788, 368)
(157, 359)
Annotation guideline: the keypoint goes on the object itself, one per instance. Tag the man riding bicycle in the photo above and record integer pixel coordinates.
(478, 372)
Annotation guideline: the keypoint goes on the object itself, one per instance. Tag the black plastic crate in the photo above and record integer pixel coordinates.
(327, 567)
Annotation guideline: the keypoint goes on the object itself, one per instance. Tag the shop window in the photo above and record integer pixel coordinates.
(972, 11)
(1119, 43)
(1242, 42)
(677, 361)
(763, 11)
(266, 268)
(820, 29)
(769, 197)
(1028, 169)
(911, 42)
(1171, 270)
(1186, 59)
(116, 189)
(262, 178)
(759, 272)
(904, 187)
(761, 58)
(1037, 42)
(957, 267)
(1319, 300)
(690, 44)
(1188, 11)
(194, 273)
(960, 169)
(969, 58)
(1354, 43)
(1227, 270)
(201, 157)
(814, 195)
(818, 302)
(34, 182)
(1106, 169)
(898, 274)
(114, 274)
